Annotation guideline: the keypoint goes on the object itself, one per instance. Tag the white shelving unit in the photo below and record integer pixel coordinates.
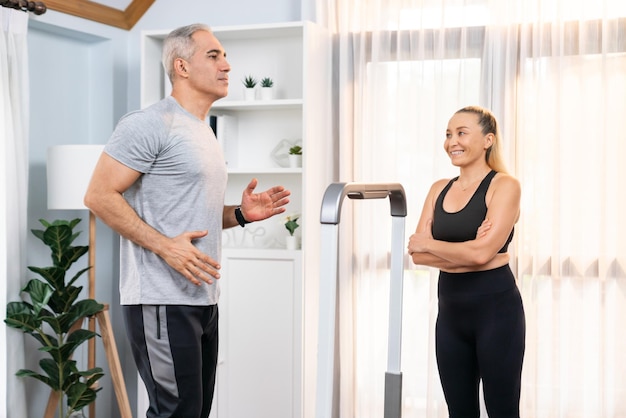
(268, 310)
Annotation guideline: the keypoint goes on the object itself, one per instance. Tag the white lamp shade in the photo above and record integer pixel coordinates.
(69, 171)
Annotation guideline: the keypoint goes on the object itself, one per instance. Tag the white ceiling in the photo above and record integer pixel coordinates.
(116, 4)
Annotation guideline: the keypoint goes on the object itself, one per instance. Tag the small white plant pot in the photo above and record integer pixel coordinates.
(292, 242)
(267, 93)
(249, 94)
(295, 161)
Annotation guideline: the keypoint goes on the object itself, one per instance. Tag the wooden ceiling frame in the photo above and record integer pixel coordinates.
(123, 19)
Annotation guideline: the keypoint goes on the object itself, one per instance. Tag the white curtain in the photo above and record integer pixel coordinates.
(554, 73)
(13, 199)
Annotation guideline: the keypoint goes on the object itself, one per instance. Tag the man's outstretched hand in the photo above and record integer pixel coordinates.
(259, 206)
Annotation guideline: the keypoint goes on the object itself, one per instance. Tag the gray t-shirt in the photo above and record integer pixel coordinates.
(181, 189)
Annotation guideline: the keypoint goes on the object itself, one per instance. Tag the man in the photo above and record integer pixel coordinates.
(160, 183)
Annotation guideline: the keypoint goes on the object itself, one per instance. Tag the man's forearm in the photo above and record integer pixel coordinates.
(114, 211)
(229, 219)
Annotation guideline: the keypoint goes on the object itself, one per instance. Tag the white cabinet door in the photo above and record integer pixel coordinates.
(260, 306)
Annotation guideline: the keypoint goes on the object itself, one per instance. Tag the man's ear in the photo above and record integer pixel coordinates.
(180, 67)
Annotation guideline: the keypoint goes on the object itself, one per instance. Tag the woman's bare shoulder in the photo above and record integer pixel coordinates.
(437, 187)
(506, 181)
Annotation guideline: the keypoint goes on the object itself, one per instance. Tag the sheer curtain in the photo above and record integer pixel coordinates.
(570, 109)
(553, 72)
(13, 199)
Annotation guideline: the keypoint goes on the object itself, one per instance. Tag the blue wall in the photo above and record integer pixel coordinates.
(83, 77)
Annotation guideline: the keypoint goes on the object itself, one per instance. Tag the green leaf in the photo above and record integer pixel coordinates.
(45, 223)
(19, 315)
(45, 339)
(55, 276)
(249, 81)
(70, 255)
(40, 293)
(58, 238)
(62, 301)
(81, 309)
(74, 236)
(63, 352)
(64, 322)
(74, 340)
(86, 307)
(80, 395)
(292, 225)
(54, 323)
(51, 368)
(38, 233)
(41, 378)
(54, 351)
(68, 374)
(93, 375)
(295, 150)
(73, 223)
(77, 275)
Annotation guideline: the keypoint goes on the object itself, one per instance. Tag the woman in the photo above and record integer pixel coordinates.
(465, 228)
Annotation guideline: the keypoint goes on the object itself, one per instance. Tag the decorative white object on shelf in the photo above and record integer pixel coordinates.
(280, 153)
(295, 156)
(267, 93)
(295, 161)
(249, 92)
(291, 224)
(267, 88)
(292, 242)
(248, 237)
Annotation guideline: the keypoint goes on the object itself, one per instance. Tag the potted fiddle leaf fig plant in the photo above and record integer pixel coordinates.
(52, 314)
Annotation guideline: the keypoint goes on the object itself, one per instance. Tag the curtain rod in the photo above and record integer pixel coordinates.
(36, 7)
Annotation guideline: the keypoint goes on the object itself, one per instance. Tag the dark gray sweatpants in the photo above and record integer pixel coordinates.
(175, 349)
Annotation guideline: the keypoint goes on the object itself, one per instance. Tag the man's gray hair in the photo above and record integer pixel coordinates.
(180, 44)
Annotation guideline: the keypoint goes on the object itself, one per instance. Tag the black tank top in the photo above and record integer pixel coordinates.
(462, 225)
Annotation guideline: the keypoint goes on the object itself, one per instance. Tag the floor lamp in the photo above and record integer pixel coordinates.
(69, 169)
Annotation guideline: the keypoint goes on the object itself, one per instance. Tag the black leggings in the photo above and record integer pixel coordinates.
(480, 334)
